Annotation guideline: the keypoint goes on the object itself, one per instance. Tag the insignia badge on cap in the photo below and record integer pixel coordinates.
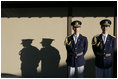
(106, 22)
(76, 24)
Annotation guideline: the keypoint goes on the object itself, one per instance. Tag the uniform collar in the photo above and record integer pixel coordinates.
(76, 35)
(73, 35)
(100, 38)
(104, 34)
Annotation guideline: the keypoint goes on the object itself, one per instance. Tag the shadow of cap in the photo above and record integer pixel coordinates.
(46, 41)
(27, 41)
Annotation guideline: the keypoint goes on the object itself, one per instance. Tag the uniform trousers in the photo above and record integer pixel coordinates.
(71, 71)
(106, 72)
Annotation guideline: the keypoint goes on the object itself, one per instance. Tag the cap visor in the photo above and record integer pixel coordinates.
(76, 26)
(106, 24)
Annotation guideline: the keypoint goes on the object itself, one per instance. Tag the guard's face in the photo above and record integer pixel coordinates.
(76, 30)
(105, 28)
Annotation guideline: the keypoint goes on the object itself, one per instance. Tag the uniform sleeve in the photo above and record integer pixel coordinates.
(66, 40)
(94, 41)
(66, 43)
(85, 46)
(113, 45)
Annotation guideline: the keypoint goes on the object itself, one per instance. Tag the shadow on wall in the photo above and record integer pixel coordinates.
(7, 75)
(49, 58)
(90, 71)
(30, 57)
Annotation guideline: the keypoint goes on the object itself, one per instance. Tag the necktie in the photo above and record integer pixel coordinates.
(104, 39)
(75, 39)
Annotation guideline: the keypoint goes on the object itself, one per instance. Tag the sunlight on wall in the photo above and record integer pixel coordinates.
(16, 29)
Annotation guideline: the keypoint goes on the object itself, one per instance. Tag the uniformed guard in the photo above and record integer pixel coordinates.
(76, 46)
(103, 47)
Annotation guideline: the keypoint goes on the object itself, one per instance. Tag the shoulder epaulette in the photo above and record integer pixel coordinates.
(83, 35)
(68, 35)
(66, 40)
(113, 36)
(94, 41)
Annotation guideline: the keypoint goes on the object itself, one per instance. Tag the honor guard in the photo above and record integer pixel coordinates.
(103, 47)
(76, 46)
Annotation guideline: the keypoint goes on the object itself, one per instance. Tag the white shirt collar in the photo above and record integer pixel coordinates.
(76, 35)
(105, 35)
(104, 39)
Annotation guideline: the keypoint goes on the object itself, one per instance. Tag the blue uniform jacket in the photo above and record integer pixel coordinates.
(103, 52)
(79, 48)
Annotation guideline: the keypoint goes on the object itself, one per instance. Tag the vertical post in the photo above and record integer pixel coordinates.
(69, 20)
(115, 53)
(69, 30)
(115, 30)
